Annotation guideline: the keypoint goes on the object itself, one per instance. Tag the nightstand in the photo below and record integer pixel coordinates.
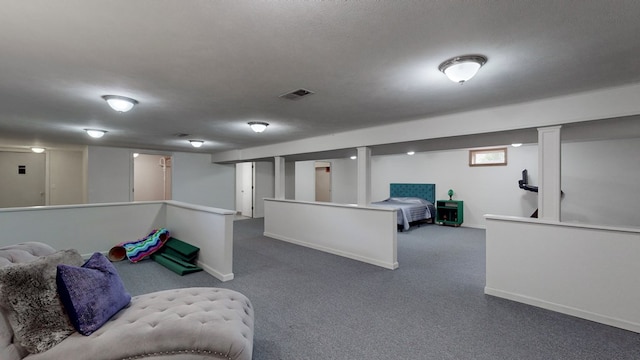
(449, 212)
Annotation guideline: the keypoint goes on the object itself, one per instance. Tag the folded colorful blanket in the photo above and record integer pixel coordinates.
(141, 248)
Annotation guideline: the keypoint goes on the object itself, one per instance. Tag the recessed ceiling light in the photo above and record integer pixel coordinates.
(37, 150)
(196, 143)
(120, 103)
(411, 152)
(462, 68)
(258, 126)
(95, 133)
(516, 144)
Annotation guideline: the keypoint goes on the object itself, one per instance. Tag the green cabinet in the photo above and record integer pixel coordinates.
(449, 212)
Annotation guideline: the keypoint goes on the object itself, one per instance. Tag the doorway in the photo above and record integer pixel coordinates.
(323, 181)
(244, 184)
(151, 177)
(22, 179)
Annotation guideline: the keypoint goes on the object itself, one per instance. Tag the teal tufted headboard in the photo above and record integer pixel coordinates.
(423, 191)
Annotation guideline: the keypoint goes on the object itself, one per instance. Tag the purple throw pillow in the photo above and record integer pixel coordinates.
(91, 294)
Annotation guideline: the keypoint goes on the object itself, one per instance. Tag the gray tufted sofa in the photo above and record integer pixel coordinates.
(180, 324)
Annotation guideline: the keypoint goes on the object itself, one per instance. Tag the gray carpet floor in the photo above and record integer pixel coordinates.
(313, 305)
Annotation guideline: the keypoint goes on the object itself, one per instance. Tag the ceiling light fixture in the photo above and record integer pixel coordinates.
(461, 69)
(120, 103)
(353, 157)
(196, 143)
(258, 126)
(95, 133)
(37, 150)
(411, 152)
(516, 144)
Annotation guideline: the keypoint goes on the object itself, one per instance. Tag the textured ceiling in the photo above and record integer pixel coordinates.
(206, 68)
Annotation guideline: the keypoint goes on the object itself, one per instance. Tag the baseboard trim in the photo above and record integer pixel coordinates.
(386, 265)
(216, 274)
(583, 314)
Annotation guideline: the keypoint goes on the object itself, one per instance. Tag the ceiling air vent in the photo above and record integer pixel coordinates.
(297, 94)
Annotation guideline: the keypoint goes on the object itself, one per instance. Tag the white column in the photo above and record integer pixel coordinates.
(549, 173)
(364, 176)
(279, 177)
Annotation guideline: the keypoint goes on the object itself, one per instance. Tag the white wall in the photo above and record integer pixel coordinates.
(305, 184)
(598, 178)
(369, 234)
(492, 189)
(209, 229)
(66, 173)
(99, 227)
(581, 270)
(86, 228)
(600, 182)
(590, 105)
(109, 175)
(197, 181)
(290, 180)
(27, 189)
(344, 178)
(194, 180)
(263, 186)
(484, 189)
(63, 176)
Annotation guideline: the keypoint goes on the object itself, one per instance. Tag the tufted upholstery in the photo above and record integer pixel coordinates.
(184, 324)
(24, 252)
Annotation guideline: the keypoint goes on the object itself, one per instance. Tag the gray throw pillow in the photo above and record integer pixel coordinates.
(29, 297)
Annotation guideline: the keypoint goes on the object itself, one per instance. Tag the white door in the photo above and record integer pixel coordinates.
(246, 189)
(22, 179)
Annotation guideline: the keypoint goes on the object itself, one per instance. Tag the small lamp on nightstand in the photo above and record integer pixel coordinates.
(450, 193)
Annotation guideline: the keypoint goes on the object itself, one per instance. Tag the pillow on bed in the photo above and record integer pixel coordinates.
(92, 293)
(412, 200)
(29, 297)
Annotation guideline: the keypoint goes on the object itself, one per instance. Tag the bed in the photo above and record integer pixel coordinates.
(414, 203)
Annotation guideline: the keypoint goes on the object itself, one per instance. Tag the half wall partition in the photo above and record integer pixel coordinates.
(91, 228)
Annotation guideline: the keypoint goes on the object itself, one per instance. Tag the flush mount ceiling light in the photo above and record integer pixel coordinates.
(516, 144)
(353, 157)
(410, 152)
(120, 103)
(196, 143)
(37, 150)
(462, 68)
(95, 133)
(258, 126)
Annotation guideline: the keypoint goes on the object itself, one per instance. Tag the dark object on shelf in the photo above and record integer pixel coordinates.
(450, 212)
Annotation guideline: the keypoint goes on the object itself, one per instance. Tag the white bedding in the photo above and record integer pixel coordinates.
(409, 209)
